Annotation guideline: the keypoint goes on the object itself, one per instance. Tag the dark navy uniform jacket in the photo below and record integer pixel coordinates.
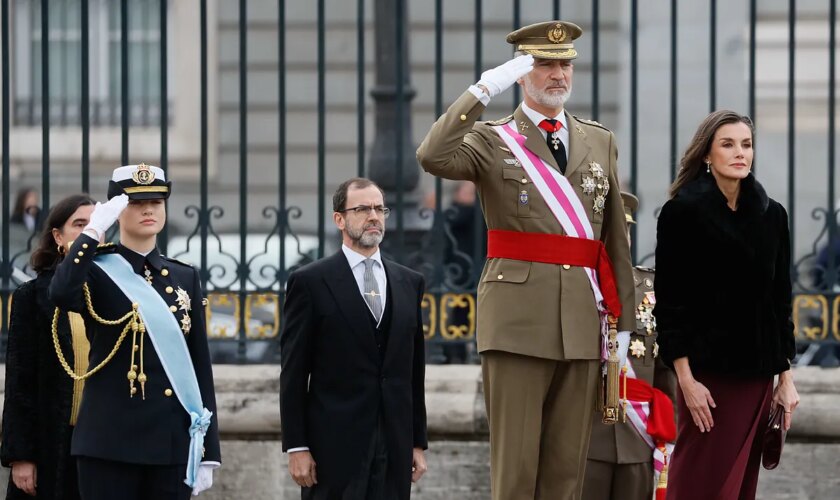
(113, 425)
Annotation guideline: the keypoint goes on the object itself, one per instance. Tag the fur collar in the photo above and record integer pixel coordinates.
(753, 198)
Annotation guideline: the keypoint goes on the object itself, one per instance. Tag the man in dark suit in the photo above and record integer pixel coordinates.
(146, 428)
(352, 404)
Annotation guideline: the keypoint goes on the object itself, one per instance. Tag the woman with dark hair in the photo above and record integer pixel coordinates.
(26, 210)
(723, 307)
(41, 401)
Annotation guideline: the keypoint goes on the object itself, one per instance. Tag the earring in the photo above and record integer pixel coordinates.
(61, 250)
(708, 167)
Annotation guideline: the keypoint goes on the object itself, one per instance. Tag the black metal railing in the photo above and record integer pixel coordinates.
(246, 278)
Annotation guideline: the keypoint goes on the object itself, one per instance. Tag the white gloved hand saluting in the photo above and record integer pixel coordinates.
(500, 78)
(104, 216)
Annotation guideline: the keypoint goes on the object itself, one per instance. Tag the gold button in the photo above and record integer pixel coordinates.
(524, 181)
(566, 266)
(500, 276)
(463, 118)
(84, 245)
(173, 308)
(81, 253)
(76, 261)
(136, 347)
(164, 272)
(168, 392)
(169, 289)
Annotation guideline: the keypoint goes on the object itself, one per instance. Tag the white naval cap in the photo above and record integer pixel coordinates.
(139, 182)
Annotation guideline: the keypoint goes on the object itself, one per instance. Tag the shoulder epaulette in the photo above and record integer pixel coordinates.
(170, 259)
(500, 121)
(591, 122)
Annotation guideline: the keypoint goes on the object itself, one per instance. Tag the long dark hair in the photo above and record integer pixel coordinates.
(46, 256)
(692, 164)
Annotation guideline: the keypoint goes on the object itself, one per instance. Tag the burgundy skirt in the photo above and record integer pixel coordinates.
(721, 464)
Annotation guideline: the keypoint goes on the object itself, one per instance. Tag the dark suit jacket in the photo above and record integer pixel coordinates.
(39, 395)
(112, 425)
(334, 382)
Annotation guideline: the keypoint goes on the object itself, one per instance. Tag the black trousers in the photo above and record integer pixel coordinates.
(109, 480)
(370, 483)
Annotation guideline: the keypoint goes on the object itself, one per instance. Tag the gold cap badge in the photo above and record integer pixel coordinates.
(143, 175)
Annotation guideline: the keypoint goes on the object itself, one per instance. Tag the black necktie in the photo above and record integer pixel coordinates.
(555, 145)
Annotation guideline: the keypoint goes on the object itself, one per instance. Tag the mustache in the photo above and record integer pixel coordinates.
(374, 225)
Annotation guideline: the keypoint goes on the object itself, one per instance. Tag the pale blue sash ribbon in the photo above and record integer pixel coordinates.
(171, 348)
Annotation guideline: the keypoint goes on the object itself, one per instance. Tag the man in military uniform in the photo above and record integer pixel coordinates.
(548, 186)
(620, 465)
(146, 427)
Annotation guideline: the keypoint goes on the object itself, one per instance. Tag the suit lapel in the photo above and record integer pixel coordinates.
(578, 147)
(342, 285)
(535, 141)
(398, 297)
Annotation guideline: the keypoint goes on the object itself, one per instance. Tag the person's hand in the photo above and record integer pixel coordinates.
(104, 215)
(302, 468)
(699, 401)
(418, 464)
(25, 476)
(785, 395)
(500, 78)
(204, 478)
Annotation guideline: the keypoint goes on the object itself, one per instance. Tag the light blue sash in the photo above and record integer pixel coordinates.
(171, 348)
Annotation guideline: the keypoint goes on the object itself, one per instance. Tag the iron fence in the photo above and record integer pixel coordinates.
(246, 294)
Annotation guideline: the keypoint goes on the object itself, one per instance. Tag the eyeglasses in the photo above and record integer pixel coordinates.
(381, 211)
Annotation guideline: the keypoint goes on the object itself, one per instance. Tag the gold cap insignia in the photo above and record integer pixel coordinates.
(556, 33)
(143, 175)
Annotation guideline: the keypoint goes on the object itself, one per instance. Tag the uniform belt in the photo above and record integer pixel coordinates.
(558, 249)
(660, 424)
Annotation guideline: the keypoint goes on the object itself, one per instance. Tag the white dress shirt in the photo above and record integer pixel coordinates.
(537, 117)
(356, 261)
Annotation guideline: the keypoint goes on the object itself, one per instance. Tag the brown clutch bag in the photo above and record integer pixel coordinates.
(774, 439)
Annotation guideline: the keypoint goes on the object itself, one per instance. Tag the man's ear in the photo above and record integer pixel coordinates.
(338, 219)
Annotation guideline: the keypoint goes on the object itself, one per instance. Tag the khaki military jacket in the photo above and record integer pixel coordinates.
(621, 443)
(534, 309)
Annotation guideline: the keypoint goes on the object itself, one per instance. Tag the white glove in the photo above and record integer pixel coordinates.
(204, 478)
(104, 216)
(623, 344)
(500, 78)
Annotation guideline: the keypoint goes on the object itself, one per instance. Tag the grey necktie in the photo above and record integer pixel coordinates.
(372, 295)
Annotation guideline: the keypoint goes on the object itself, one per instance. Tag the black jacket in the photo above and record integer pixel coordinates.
(39, 395)
(334, 381)
(112, 425)
(723, 286)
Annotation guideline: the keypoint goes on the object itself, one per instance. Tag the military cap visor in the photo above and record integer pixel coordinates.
(139, 182)
(631, 204)
(548, 40)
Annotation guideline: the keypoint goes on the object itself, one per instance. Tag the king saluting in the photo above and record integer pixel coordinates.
(558, 267)
(147, 427)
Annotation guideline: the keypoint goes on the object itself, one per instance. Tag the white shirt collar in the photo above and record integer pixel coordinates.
(536, 117)
(354, 258)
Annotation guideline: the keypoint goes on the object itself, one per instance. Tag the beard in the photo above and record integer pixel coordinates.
(548, 99)
(363, 238)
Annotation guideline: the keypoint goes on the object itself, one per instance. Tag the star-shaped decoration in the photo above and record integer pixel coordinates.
(186, 324)
(596, 170)
(599, 204)
(588, 185)
(183, 299)
(637, 348)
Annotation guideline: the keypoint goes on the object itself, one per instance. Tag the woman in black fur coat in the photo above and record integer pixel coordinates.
(723, 292)
(41, 399)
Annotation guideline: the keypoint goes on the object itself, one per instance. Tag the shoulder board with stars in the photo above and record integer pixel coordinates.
(591, 122)
(500, 121)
